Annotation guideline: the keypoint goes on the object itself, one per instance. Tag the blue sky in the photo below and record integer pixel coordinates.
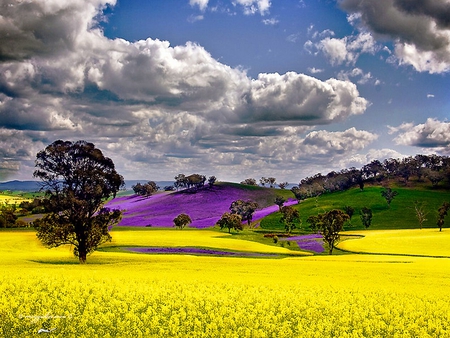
(231, 88)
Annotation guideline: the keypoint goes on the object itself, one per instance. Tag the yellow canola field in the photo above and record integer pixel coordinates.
(12, 199)
(422, 242)
(120, 294)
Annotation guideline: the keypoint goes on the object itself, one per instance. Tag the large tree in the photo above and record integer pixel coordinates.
(77, 179)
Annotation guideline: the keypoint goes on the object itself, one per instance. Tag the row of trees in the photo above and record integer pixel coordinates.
(270, 181)
(432, 167)
(240, 211)
(194, 181)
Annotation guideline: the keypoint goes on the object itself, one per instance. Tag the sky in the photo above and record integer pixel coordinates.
(232, 88)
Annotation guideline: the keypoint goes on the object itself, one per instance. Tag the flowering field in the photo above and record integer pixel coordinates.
(424, 242)
(204, 207)
(11, 199)
(120, 294)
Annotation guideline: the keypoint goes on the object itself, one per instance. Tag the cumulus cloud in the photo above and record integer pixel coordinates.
(431, 134)
(323, 142)
(419, 29)
(345, 50)
(17, 148)
(270, 22)
(150, 105)
(254, 6)
(202, 4)
(358, 73)
(301, 99)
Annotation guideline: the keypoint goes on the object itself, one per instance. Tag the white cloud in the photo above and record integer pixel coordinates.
(301, 99)
(202, 4)
(314, 70)
(346, 50)
(151, 106)
(270, 22)
(357, 73)
(195, 18)
(431, 134)
(253, 6)
(293, 37)
(419, 29)
(325, 143)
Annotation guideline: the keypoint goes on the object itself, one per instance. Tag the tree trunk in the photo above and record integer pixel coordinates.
(82, 258)
(82, 251)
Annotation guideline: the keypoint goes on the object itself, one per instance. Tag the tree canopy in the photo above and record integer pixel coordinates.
(77, 179)
(230, 221)
(146, 189)
(245, 209)
(329, 224)
(181, 221)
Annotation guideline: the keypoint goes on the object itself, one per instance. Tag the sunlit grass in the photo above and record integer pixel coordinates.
(426, 242)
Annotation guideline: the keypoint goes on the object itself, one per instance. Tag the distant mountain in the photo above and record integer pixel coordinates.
(35, 185)
(20, 185)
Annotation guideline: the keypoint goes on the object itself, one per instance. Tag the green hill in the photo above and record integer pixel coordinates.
(400, 215)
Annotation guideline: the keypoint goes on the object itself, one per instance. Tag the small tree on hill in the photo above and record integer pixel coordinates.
(249, 181)
(283, 185)
(366, 216)
(331, 223)
(389, 195)
(146, 189)
(421, 214)
(230, 221)
(245, 209)
(263, 181)
(315, 223)
(279, 200)
(443, 210)
(212, 180)
(181, 221)
(77, 179)
(349, 211)
(271, 181)
(289, 218)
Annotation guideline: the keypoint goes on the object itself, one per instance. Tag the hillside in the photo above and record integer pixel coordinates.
(204, 207)
(401, 214)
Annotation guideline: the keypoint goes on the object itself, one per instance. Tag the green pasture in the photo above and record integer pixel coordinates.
(400, 215)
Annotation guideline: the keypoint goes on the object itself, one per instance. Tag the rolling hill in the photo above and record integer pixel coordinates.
(204, 206)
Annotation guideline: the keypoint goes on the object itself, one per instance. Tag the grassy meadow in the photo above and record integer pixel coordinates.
(400, 214)
(119, 293)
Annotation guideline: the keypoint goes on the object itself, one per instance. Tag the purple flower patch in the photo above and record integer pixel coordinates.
(312, 242)
(196, 251)
(204, 207)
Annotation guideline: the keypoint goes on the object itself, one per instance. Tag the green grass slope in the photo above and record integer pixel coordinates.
(400, 215)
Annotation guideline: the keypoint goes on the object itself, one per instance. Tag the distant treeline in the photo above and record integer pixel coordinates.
(434, 168)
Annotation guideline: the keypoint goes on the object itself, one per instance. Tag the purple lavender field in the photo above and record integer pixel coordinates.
(204, 207)
(198, 251)
(312, 242)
